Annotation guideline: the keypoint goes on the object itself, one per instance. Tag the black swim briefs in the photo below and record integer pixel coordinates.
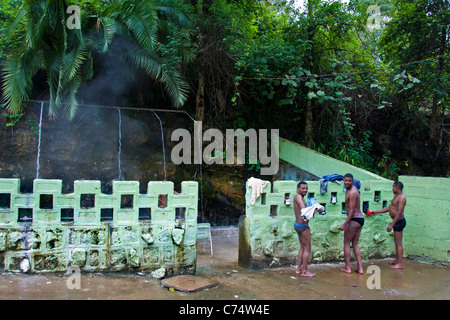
(359, 220)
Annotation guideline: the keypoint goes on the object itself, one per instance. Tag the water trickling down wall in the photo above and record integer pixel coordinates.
(48, 230)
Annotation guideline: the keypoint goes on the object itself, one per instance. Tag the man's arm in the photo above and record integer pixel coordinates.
(381, 211)
(299, 202)
(351, 211)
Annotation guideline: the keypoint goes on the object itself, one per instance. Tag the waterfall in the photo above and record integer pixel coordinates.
(201, 171)
(39, 142)
(162, 139)
(120, 144)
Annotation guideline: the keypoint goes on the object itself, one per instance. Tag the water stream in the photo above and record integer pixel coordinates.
(201, 171)
(162, 139)
(120, 145)
(120, 141)
(39, 142)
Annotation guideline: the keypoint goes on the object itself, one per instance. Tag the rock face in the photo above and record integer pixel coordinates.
(88, 148)
(85, 148)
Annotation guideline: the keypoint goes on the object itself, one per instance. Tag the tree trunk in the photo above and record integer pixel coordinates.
(434, 108)
(309, 131)
(200, 99)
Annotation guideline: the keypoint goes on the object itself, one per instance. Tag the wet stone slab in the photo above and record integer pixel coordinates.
(189, 283)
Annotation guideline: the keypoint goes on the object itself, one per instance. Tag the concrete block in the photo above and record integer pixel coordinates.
(9, 185)
(119, 244)
(78, 257)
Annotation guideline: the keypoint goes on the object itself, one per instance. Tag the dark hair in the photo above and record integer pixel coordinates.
(399, 185)
(300, 183)
(348, 175)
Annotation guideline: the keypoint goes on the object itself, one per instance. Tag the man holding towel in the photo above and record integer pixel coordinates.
(302, 228)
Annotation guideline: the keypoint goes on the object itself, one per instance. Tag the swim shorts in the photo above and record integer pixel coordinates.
(400, 225)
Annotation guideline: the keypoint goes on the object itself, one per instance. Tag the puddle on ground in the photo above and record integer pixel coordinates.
(416, 281)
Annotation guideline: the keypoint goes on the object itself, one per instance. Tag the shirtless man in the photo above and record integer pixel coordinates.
(396, 211)
(352, 225)
(302, 228)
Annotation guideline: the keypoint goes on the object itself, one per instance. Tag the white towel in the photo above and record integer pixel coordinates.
(257, 186)
(308, 212)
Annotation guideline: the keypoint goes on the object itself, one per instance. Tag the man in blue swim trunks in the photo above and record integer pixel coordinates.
(352, 225)
(396, 211)
(302, 228)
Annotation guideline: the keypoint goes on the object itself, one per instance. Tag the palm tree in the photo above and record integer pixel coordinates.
(158, 40)
(65, 55)
(46, 45)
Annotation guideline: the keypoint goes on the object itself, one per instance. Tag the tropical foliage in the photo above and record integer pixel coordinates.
(149, 29)
(337, 76)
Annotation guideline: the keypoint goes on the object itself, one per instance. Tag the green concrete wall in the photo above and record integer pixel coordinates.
(50, 243)
(427, 214)
(319, 164)
(268, 238)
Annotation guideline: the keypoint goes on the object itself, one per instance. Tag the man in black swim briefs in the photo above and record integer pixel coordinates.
(352, 225)
(303, 231)
(396, 211)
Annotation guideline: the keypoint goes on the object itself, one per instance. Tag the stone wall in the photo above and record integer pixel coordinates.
(48, 230)
(268, 238)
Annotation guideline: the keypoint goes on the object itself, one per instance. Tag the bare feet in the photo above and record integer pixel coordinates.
(360, 271)
(396, 266)
(346, 270)
(298, 271)
(308, 274)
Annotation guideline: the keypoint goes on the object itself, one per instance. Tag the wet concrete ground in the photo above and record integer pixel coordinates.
(417, 281)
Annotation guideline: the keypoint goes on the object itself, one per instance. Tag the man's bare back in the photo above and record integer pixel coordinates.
(353, 194)
(352, 225)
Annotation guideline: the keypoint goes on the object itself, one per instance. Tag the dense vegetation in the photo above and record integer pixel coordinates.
(337, 76)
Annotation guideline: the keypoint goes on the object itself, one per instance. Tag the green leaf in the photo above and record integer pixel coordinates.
(311, 95)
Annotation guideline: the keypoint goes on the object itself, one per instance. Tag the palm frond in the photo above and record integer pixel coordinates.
(109, 30)
(176, 11)
(71, 103)
(66, 55)
(143, 59)
(17, 84)
(176, 87)
(143, 27)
